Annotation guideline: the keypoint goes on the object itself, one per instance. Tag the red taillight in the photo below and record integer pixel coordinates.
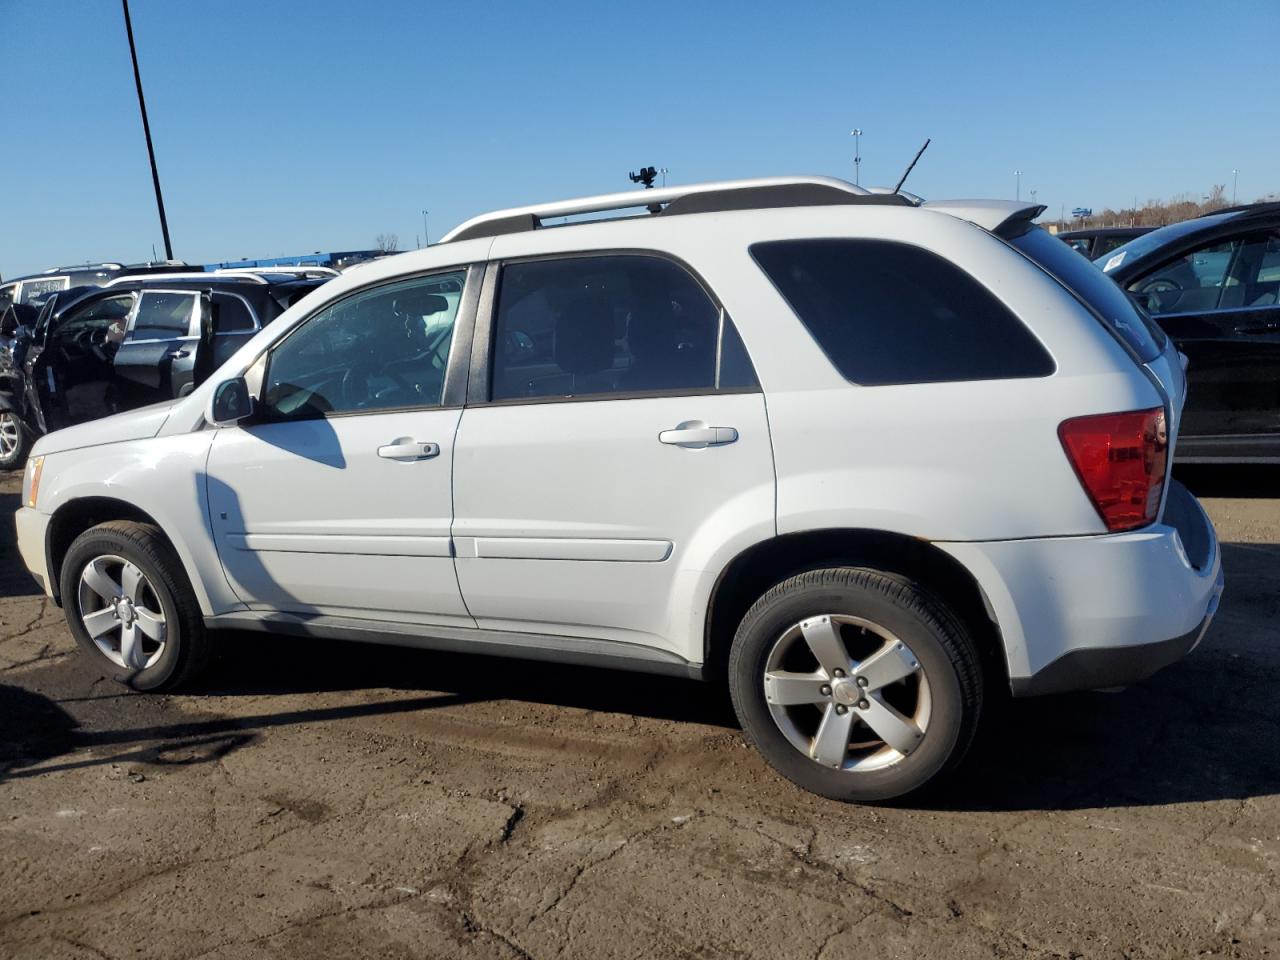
(1120, 459)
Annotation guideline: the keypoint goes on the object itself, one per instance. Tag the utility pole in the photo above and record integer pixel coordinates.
(426, 237)
(856, 133)
(146, 129)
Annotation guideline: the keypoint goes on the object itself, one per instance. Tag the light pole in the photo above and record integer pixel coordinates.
(146, 130)
(426, 237)
(1018, 189)
(856, 133)
(664, 172)
(1235, 179)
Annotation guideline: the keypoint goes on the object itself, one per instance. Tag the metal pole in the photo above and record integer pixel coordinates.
(146, 129)
(1235, 180)
(857, 156)
(426, 237)
(1018, 190)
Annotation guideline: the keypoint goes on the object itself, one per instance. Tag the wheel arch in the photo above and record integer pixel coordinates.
(75, 517)
(766, 563)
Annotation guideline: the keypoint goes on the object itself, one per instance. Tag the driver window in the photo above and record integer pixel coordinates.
(98, 323)
(382, 349)
(1229, 274)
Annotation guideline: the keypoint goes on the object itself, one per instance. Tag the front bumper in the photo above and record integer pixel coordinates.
(33, 527)
(1080, 613)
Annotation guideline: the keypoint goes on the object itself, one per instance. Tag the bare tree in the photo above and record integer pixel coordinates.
(386, 243)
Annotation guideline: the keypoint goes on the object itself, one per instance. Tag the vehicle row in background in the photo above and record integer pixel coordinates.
(88, 352)
(1213, 285)
(38, 286)
(1096, 241)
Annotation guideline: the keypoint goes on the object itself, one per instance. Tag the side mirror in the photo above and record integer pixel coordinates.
(231, 402)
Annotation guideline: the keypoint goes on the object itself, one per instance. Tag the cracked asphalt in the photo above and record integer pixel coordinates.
(325, 799)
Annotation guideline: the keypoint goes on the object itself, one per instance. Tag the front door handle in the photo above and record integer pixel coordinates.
(696, 434)
(407, 448)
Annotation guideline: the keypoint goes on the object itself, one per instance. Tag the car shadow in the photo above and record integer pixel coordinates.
(1246, 481)
(1207, 728)
(15, 581)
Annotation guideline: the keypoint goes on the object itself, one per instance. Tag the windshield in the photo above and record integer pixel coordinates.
(1112, 306)
(1139, 247)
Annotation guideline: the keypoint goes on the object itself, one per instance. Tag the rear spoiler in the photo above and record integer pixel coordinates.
(1004, 218)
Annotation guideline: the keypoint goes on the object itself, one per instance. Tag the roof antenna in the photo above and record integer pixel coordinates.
(912, 165)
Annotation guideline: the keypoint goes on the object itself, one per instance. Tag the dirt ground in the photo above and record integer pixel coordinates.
(333, 800)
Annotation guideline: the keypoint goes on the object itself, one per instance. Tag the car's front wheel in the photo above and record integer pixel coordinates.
(856, 684)
(130, 606)
(15, 441)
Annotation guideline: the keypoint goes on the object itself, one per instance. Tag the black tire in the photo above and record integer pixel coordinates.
(15, 458)
(933, 633)
(187, 646)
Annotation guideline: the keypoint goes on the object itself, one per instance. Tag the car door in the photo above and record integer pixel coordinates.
(159, 346)
(613, 422)
(336, 498)
(71, 369)
(1219, 304)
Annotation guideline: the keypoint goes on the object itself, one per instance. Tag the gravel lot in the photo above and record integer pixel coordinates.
(323, 799)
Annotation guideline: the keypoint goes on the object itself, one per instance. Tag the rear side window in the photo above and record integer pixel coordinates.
(887, 312)
(622, 324)
(163, 316)
(231, 314)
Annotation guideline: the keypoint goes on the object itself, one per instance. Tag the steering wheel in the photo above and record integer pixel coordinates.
(1153, 289)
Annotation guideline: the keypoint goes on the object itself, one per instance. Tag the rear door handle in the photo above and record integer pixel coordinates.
(696, 434)
(406, 449)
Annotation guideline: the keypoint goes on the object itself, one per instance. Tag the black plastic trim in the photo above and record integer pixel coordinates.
(1100, 667)
(584, 651)
(522, 223)
(776, 196)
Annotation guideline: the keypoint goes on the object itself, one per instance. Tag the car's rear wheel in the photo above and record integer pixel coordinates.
(855, 684)
(15, 441)
(130, 606)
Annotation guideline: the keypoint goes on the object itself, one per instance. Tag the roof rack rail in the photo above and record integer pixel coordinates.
(303, 270)
(166, 277)
(714, 197)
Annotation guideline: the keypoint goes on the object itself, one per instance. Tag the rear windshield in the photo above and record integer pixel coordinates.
(1095, 290)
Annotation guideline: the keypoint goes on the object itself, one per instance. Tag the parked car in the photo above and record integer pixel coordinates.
(94, 351)
(871, 460)
(1213, 283)
(1096, 241)
(39, 286)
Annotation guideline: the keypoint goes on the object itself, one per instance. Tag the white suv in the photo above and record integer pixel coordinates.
(874, 459)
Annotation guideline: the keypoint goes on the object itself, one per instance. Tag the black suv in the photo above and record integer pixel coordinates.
(1213, 284)
(93, 351)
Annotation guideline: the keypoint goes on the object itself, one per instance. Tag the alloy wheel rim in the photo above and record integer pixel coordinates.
(847, 693)
(10, 435)
(121, 612)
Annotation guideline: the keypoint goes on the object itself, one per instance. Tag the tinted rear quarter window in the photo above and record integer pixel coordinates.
(887, 313)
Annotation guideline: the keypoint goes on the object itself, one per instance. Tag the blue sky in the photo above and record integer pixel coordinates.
(285, 127)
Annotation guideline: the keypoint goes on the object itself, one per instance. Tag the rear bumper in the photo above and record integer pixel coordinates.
(32, 527)
(1080, 613)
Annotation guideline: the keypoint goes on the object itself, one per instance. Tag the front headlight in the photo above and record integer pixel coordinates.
(31, 480)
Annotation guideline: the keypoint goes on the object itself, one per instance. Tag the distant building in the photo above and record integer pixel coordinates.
(337, 259)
